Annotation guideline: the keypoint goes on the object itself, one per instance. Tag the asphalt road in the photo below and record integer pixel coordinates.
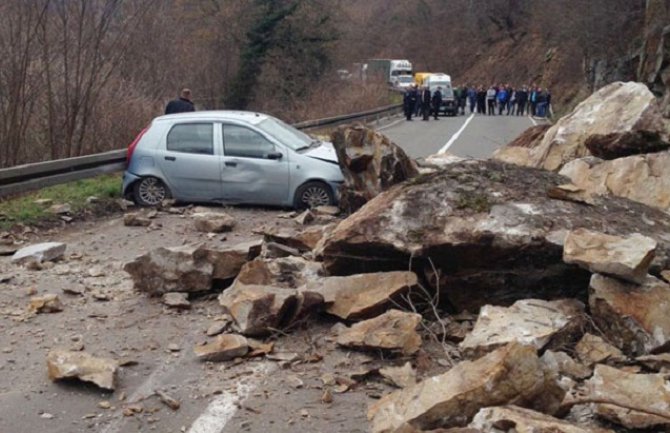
(475, 136)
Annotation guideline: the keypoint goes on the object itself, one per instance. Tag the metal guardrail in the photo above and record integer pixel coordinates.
(30, 177)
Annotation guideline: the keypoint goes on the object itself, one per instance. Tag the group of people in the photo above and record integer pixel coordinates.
(505, 99)
(422, 101)
(501, 99)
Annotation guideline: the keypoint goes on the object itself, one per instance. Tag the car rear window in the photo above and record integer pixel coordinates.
(191, 138)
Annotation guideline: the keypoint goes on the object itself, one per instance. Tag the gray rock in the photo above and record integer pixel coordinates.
(39, 253)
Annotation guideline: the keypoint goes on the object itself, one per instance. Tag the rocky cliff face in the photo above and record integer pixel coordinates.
(654, 68)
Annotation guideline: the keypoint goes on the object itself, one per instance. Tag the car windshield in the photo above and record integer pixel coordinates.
(405, 79)
(290, 136)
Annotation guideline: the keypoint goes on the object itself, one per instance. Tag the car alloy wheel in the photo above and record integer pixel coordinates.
(314, 194)
(151, 192)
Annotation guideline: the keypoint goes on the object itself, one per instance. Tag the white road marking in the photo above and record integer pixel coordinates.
(532, 120)
(390, 124)
(223, 407)
(454, 137)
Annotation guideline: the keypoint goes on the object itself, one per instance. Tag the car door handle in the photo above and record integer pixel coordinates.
(230, 164)
(170, 158)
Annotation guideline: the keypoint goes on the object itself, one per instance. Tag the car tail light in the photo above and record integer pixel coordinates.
(133, 145)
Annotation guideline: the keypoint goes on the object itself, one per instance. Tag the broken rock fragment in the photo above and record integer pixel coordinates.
(213, 222)
(39, 253)
(176, 300)
(592, 349)
(635, 318)
(224, 348)
(259, 309)
(303, 239)
(399, 376)
(393, 330)
(520, 420)
(175, 269)
(136, 220)
(287, 272)
(362, 296)
(635, 401)
(63, 364)
(49, 303)
(228, 261)
(627, 257)
(510, 375)
(531, 321)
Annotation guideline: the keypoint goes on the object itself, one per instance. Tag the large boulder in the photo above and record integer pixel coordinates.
(627, 257)
(642, 178)
(510, 375)
(485, 231)
(370, 163)
(285, 272)
(618, 120)
(635, 318)
(538, 323)
(518, 150)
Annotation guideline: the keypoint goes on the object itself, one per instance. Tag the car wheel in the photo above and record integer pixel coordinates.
(150, 191)
(313, 194)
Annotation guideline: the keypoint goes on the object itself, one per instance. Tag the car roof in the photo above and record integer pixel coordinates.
(244, 116)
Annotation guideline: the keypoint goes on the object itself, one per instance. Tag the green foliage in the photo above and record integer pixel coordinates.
(24, 209)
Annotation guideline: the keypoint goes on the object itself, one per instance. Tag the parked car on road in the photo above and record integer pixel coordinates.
(230, 157)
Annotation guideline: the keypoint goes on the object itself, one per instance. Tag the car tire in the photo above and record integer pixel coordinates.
(150, 191)
(313, 194)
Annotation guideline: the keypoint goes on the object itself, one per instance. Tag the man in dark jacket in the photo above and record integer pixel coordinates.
(437, 101)
(425, 103)
(409, 102)
(181, 105)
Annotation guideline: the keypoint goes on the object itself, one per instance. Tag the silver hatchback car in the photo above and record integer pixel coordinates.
(231, 157)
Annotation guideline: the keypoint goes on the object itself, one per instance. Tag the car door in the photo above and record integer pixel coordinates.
(255, 169)
(191, 161)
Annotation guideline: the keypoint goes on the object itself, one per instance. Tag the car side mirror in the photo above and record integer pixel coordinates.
(274, 155)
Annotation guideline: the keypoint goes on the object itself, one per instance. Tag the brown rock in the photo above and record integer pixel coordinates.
(510, 375)
(258, 309)
(627, 257)
(570, 192)
(303, 240)
(327, 210)
(520, 420)
(393, 330)
(634, 401)
(659, 362)
(176, 300)
(63, 364)
(370, 163)
(541, 324)
(136, 220)
(49, 303)
(599, 121)
(362, 296)
(304, 218)
(177, 269)
(565, 365)
(213, 222)
(399, 376)
(224, 348)
(60, 209)
(228, 261)
(287, 272)
(518, 150)
(641, 178)
(635, 318)
(592, 349)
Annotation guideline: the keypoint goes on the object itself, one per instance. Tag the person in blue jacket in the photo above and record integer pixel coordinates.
(502, 97)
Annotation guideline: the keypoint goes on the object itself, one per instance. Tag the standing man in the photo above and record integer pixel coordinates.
(425, 103)
(437, 101)
(491, 100)
(408, 103)
(472, 98)
(182, 104)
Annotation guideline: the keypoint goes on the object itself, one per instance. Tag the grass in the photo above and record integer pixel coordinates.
(24, 210)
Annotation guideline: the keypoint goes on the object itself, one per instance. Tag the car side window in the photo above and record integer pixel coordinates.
(191, 138)
(243, 142)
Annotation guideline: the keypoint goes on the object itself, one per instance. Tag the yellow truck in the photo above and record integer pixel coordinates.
(420, 77)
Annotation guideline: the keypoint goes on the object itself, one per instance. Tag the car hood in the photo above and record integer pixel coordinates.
(325, 152)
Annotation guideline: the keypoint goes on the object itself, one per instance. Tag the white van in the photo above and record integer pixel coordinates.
(433, 81)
